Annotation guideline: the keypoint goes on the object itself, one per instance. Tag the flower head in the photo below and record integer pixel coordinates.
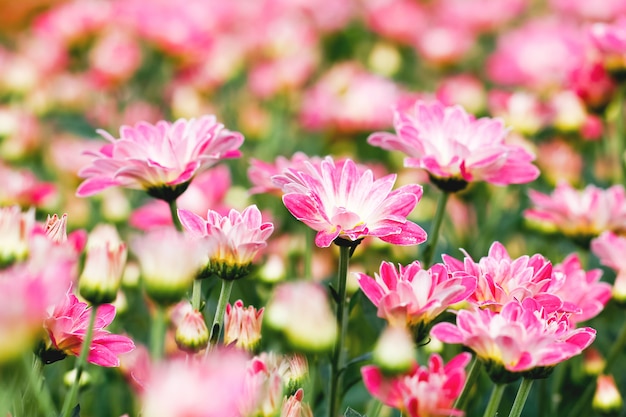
(579, 214)
(15, 229)
(341, 202)
(67, 325)
(455, 148)
(425, 391)
(242, 326)
(521, 338)
(161, 159)
(610, 249)
(610, 40)
(414, 296)
(233, 240)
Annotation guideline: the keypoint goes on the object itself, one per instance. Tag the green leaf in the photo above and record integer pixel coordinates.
(351, 413)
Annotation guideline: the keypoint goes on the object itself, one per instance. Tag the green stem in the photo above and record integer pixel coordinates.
(218, 320)
(80, 364)
(433, 236)
(196, 294)
(308, 253)
(494, 400)
(157, 336)
(520, 398)
(174, 213)
(620, 134)
(35, 382)
(472, 376)
(584, 401)
(338, 359)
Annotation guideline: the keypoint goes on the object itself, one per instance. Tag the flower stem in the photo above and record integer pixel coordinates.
(472, 375)
(433, 236)
(196, 294)
(308, 253)
(218, 320)
(174, 213)
(80, 364)
(520, 398)
(157, 336)
(338, 359)
(494, 400)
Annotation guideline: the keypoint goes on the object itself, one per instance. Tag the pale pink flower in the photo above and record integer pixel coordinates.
(260, 172)
(582, 291)
(264, 385)
(206, 192)
(522, 110)
(610, 38)
(192, 333)
(87, 17)
(339, 202)
(399, 20)
(465, 90)
(523, 337)
(242, 325)
(114, 46)
(579, 214)
(15, 230)
(295, 407)
(161, 159)
(136, 366)
(453, 146)
(348, 98)
(233, 240)
(558, 161)
(592, 11)
(211, 386)
(66, 327)
(610, 249)
(21, 186)
(444, 44)
(538, 55)
(501, 279)
(607, 398)
(480, 15)
(425, 391)
(412, 296)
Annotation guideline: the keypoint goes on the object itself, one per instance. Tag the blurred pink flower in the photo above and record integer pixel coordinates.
(22, 187)
(523, 337)
(233, 240)
(479, 16)
(260, 172)
(206, 192)
(466, 90)
(610, 249)
(610, 40)
(161, 159)
(455, 148)
(66, 326)
(340, 202)
(211, 386)
(558, 161)
(242, 325)
(399, 20)
(120, 48)
(414, 296)
(579, 214)
(444, 44)
(426, 391)
(501, 279)
(136, 366)
(538, 55)
(582, 291)
(522, 110)
(264, 386)
(592, 83)
(15, 230)
(348, 98)
(591, 11)
(295, 407)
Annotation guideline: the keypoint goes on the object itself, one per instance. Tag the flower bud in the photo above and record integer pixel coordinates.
(192, 334)
(294, 407)
(242, 326)
(15, 228)
(607, 399)
(593, 362)
(395, 351)
(104, 265)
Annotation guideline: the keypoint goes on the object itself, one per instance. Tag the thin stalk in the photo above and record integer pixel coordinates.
(35, 379)
(79, 365)
(584, 400)
(472, 376)
(157, 334)
(433, 236)
(308, 253)
(174, 213)
(520, 398)
(373, 408)
(196, 294)
(218, 320)
(338, 359)
(494, 400)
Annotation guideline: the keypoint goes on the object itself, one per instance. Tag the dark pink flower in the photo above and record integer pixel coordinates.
(342, 202)
(67, 325)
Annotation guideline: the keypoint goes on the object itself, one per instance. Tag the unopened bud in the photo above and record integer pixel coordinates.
(294, 407)
(395, 351)
(15, 228)
(192, 334)
(593, 362)
(242, 326)
(607, 399)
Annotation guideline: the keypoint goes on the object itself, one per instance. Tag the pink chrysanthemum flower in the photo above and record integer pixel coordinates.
(161, 159)
(610, 249)
(610, 40)
(67, 324)
(260, 172)
(242, 325)
(522, 338)
(582, 291)
(233, 240)
(456, 148)
(579, 214)
(426, 391)
(414, 296)
(501, 279)
(340, 202)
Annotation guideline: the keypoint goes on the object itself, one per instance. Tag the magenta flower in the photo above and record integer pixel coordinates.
(501, 279)
(610, 249)
(161, 159)
(233, 240)
(414, 296)
(455, 148)
(426, 391)
(342, 202)
(67, 325)
(579, 214)
(523, 337)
